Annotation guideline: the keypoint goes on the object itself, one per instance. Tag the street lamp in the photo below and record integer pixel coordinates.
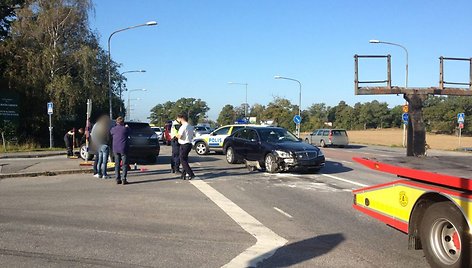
(299, 99)
(246, 104)
(129, 94)
(374, 41)
(149, 23)
(121, 88)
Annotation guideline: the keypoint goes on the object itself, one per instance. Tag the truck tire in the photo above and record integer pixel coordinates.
(201, 148)
(445, 236)
(270, 164)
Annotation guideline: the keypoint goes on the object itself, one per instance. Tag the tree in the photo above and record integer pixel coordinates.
(317, 115)
(257, 111)
(227, 115)
(196, 110)
(282, 112)
(52, 55)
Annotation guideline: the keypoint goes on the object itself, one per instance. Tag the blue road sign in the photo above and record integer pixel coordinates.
(50, 107)
(405, 117)
(297, 119)
(460, 118)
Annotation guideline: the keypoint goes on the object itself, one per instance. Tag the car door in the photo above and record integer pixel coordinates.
(238, 143)
(253, 145)
(217, 137)
(312, 137)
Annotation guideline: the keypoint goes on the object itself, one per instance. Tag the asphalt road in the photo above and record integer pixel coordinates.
(161, 221)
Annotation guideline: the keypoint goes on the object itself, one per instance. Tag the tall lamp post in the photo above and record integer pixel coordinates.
(374, 41)
(245, 104)
(121, 88)
(129, 99)
(299, 99)
(149, 23)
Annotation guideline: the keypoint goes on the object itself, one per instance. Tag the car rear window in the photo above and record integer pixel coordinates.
(138, 126)
(339, 132)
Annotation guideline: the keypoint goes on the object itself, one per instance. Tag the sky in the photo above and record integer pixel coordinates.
(199, 46)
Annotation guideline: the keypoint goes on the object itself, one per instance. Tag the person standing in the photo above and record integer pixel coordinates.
(120, 135)
(185, 137)
(68, 140)
(101, 137)
(175, 158)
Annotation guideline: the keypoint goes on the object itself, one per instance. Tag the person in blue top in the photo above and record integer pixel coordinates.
(120, 135)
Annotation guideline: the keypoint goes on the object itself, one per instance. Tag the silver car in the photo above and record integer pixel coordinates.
(328, 137)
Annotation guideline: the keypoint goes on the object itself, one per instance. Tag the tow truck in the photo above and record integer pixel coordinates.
(431, 202)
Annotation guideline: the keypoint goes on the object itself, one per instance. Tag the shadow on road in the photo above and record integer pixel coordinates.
(332, 167)
(304, 250)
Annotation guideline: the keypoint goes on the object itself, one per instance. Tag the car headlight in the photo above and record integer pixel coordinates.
(320, 153)
(283, 154)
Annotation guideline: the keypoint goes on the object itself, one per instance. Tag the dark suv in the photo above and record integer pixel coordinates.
(143, 143)
(274, 148)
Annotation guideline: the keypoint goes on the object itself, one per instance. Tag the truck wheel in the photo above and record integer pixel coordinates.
(270, 164)
(201, 148)
(230, 157)
(445, 236)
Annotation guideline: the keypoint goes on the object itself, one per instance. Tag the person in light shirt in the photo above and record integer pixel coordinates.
(185, 137)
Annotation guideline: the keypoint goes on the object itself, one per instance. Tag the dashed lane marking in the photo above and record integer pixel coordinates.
(283, 212)
(267, 240)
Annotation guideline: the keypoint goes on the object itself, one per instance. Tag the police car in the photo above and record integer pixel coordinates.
(214, 141)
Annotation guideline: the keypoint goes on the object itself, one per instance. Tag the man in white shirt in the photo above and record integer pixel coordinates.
(185, 137)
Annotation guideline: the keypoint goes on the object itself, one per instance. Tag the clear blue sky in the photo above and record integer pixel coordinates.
(199, 46)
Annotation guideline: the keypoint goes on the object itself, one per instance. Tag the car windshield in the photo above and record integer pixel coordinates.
(276, 135)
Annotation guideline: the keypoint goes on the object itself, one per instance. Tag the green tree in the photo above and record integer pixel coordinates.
(257, 110)
(227, 115)
(282, 112)
(196, 110)
(52, 55)
(317, 115)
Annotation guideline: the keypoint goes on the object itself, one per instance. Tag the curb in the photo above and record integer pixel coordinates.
(30, 155)
(45, 173)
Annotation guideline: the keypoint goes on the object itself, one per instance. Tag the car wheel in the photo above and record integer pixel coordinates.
(201, 148)
(322, 143)
(445, 236)
(84, 154)
(270, 164)
(230, 157)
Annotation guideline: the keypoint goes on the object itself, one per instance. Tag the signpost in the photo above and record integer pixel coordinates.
(297, 119)
(405, 118)
(460, 121)
(50, 112)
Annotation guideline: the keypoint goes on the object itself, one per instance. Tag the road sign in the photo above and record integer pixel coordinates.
(460, 118)
(405, 108)
(297, 119)
(405, 117)
(461, 125)
(50, 107)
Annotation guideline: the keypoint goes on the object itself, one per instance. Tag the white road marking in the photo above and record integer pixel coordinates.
(267, 240)
(344, 180)
(336, 160)
(283, 212)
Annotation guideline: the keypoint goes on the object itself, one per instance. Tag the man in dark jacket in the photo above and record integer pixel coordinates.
(120, 135)
(69, 141)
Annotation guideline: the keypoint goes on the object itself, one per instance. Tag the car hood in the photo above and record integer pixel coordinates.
(294, 146)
